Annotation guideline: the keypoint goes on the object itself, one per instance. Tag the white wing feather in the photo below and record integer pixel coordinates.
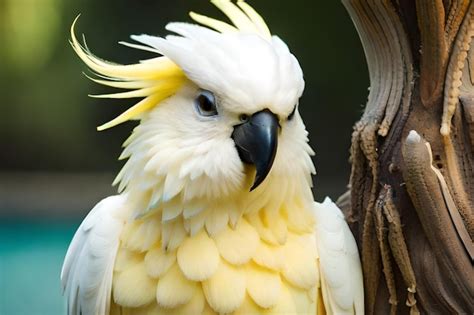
(340, 268)
(87, 271)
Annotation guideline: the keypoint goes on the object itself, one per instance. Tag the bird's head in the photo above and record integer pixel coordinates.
(219, 114)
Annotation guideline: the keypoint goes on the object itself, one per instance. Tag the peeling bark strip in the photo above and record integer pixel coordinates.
(399, 249)
(454, 213)
(385, 252)
(434, 49)
(455, 71)
(457, 11)
(427, 196)
(414, 228)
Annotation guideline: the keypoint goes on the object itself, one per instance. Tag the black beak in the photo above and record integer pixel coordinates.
(257, 141)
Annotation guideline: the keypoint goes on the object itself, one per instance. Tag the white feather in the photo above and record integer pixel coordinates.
(340, 269)
(87, 271)
(249, 70)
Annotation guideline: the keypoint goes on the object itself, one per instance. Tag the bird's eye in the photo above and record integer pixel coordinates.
(292, 114)
(206, 104)
(244, 118)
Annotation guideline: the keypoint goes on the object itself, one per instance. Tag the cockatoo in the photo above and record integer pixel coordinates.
(215, 213)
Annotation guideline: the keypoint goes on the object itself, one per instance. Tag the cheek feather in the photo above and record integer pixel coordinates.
(175, 150)
(215, 170)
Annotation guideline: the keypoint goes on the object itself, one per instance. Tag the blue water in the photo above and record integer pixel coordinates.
(31, 255)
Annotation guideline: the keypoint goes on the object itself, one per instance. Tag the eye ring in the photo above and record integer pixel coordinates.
(244, 118)
(292, 114)
(205, 104)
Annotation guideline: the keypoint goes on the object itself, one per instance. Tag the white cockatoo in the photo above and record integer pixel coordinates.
(215, 213)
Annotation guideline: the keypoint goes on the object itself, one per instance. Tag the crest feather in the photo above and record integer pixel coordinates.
(242, 15)
(154, 79)
(217, 25)
(158, 78)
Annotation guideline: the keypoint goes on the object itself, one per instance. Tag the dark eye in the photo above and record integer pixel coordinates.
(244, 118)
(206, 104)
(292, 114)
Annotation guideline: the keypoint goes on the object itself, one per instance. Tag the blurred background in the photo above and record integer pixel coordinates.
(54, 165)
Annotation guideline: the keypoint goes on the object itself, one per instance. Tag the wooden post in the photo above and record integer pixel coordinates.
(411, 200)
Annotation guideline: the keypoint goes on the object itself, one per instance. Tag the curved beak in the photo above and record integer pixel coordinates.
(257, 141)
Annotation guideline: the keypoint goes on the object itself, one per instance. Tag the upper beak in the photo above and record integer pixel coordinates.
(257, 141)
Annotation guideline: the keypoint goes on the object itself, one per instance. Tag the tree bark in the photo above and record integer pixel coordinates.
(411, 196)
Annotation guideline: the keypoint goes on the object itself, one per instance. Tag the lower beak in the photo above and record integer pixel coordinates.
(257, 141)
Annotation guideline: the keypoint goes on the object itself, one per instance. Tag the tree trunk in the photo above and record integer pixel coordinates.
(411, 198)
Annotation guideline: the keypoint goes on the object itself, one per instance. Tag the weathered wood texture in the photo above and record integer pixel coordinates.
(411, 196)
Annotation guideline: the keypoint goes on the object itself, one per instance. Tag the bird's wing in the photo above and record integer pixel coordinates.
(340, 268)
(87, 271)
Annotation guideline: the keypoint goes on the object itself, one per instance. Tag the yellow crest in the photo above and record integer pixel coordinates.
(158, 78)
